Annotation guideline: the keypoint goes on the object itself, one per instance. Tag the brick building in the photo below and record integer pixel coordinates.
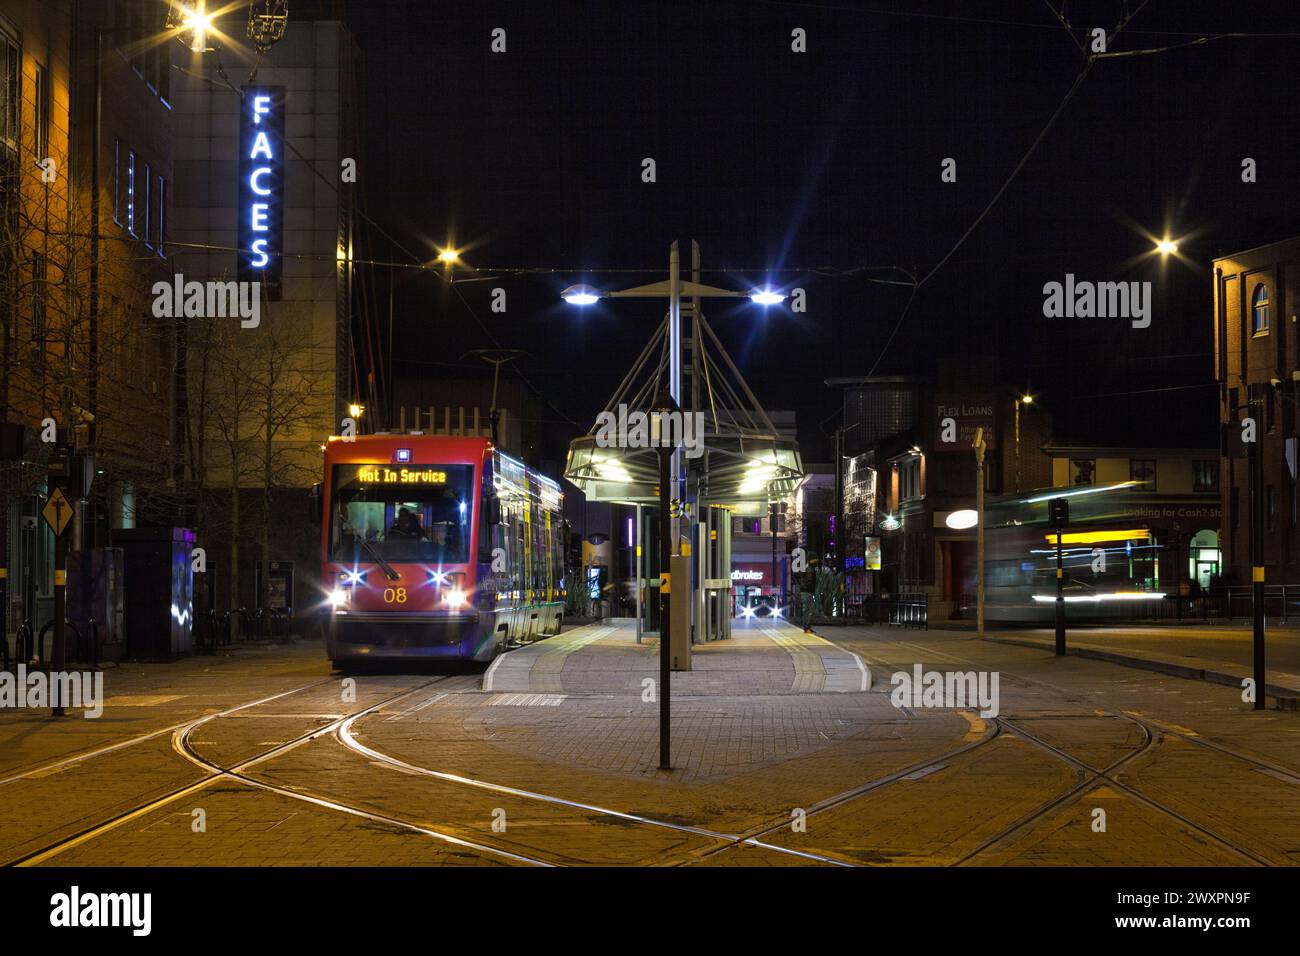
(1255, 348)
(84, 116)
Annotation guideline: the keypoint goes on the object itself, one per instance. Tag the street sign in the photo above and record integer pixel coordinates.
(58, 511)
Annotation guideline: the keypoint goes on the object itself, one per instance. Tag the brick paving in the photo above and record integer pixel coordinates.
(759, 659)
(758, 736)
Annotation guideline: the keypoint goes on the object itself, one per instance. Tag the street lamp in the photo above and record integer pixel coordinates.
(448, 256)
(1025, 399)
(580, 295)
(674, 289)
(1166, 247)
(192, 22)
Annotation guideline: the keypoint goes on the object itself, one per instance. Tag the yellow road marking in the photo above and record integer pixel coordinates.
(977, 726)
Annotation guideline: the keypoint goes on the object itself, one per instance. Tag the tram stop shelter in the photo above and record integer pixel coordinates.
(739, 466)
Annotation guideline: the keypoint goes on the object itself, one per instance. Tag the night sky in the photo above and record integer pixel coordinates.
(831, 158)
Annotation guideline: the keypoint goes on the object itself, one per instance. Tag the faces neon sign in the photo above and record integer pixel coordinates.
(261, 187)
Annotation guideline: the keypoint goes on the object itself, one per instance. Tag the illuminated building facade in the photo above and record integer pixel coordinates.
(1255, 348)
(908, 466)
(266, 180)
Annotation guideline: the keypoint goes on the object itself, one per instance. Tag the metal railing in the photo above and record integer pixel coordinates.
(906, 610)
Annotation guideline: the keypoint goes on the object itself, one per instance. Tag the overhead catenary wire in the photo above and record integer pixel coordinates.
(1086, 67)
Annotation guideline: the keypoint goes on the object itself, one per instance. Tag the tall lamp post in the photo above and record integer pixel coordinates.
(1025, 399)
(664, 405)
(674, 289)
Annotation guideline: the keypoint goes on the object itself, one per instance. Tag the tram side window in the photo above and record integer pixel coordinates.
(520, 575)
(557, 556)
(539, 552)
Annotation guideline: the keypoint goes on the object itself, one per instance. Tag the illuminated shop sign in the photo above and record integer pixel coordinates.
(378, 475)
(261, 187)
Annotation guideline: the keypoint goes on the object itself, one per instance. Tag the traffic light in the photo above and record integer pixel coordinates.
(1058, 512)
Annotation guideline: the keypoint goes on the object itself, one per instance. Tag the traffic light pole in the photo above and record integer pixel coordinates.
(1058, 517)
(1060, 599)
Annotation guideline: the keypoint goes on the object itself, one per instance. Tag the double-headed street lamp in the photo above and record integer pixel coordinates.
(674, 290)
(669, 401)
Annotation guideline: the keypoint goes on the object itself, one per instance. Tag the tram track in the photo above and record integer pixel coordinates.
(348, 740)
(1090, 777)
(1094, 777)
(100, 751)
(215, 773)
(342, 730)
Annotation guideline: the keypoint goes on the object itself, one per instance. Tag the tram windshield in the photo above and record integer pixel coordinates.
(401, 513)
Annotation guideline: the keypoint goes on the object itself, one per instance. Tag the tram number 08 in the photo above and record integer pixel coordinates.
(394, 595)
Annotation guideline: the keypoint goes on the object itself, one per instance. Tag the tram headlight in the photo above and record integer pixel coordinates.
(338, 598)
(746, 611)
(456, 599)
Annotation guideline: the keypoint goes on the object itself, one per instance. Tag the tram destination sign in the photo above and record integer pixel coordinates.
(379, 475)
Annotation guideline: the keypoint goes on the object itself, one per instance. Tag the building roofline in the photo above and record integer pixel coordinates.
(850, 380)
(1259, 248)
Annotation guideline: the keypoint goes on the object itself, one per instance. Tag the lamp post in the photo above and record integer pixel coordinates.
(664, 405)
(1025, 399)
(671, 476)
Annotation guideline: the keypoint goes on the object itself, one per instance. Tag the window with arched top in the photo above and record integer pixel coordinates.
(1259, 310)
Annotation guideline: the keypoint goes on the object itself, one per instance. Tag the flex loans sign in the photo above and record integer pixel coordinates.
(261, 187)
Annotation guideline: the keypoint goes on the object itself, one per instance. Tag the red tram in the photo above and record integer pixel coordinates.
(436, 547)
